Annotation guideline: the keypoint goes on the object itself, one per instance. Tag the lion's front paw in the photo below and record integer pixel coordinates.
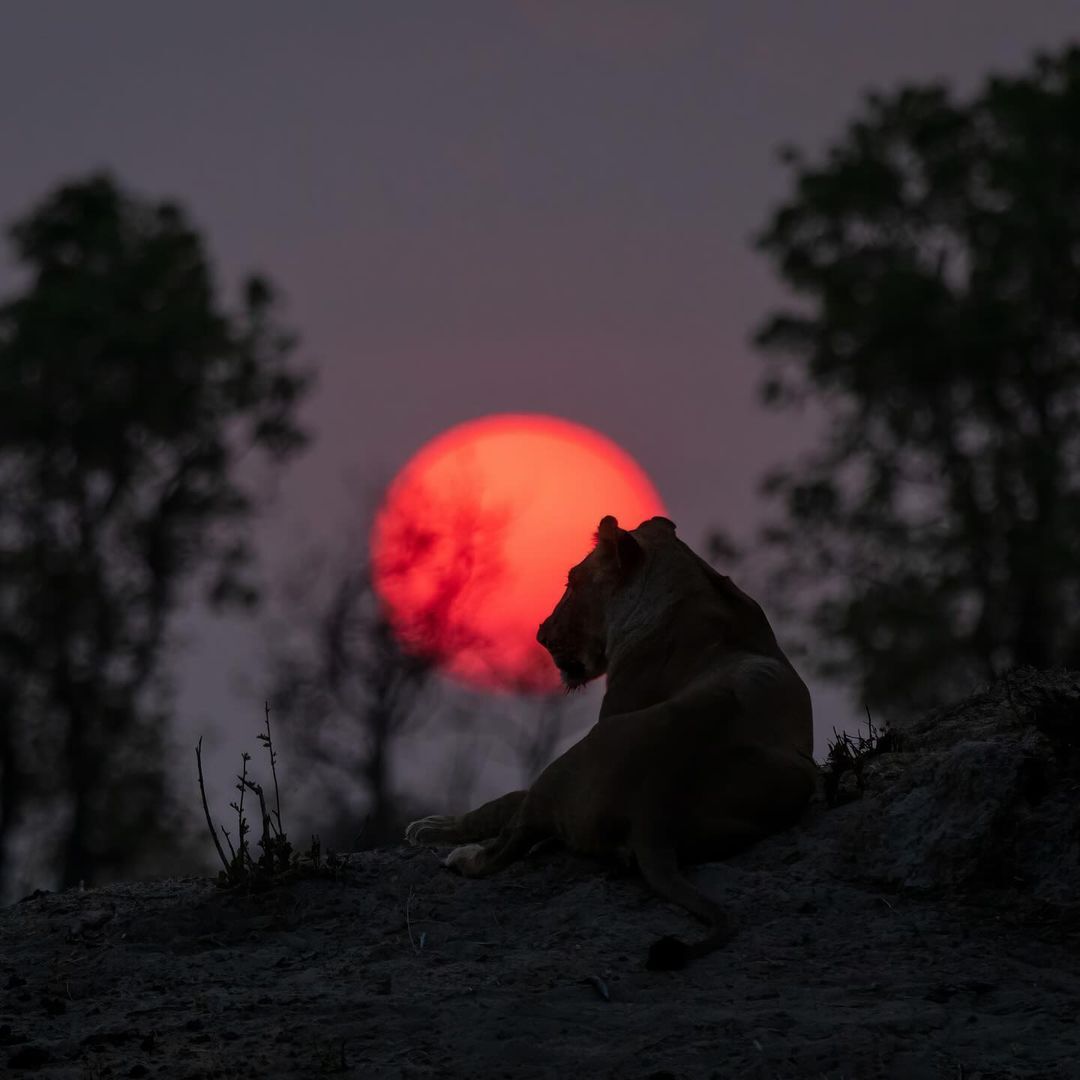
(429, 829)
(465, 859)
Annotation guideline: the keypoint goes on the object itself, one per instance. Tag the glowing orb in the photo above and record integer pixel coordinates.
(472, 543)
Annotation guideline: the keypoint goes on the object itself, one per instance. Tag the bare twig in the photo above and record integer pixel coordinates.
(228, 840)
(206, 808)
(264, 842)
(273, 768)
(242, 825)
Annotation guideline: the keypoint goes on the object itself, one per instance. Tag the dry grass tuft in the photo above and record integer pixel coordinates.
(847, 757)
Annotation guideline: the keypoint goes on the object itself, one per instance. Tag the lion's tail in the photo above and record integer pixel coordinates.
(660, 867)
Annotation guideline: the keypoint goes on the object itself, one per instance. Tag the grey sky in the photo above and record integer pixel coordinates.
(484, 206)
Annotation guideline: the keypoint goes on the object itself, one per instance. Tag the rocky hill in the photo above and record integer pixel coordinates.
(927, 926)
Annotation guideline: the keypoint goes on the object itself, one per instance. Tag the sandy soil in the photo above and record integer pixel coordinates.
(402, 969)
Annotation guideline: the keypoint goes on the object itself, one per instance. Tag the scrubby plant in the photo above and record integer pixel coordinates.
(847, 757)
(279, 860)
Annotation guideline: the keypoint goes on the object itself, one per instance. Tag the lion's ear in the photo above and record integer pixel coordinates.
(617, 544)
(608, 531)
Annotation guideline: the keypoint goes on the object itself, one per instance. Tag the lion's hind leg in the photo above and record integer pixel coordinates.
(480, 824)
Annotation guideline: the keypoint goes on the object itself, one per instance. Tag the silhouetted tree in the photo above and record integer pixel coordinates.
(128, 395)
(345, 691)
(348, 671)
(936, 247)
(352, 675)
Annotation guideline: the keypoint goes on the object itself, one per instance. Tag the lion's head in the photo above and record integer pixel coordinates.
(576, 632)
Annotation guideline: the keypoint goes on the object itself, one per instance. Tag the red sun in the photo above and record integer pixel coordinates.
(472, 543)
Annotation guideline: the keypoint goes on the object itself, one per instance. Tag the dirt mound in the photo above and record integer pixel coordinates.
(982, 794)
(887, 937)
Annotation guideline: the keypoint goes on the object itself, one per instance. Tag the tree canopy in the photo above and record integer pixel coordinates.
(934, 251)
(128, 394)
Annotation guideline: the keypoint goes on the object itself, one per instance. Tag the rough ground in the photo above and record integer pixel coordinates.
(925, 929)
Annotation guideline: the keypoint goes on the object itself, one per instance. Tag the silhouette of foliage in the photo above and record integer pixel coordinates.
(437, 556)
(128, 394)
(931, 535)
(346, 689)
(350, 686)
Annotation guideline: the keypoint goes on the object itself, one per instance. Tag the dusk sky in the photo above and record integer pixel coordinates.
(474, 207)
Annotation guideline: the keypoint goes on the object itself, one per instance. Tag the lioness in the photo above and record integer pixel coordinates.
(704, 740)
